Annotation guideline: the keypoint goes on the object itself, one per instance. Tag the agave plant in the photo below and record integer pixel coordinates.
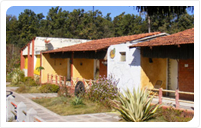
(77, 101)
(136, 106)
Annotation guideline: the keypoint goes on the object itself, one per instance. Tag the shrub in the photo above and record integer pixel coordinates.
(29, 81)
(8, 77)
(104, 90)
(135, 107)
(37, 79)
(49, 88)
(17, 75)
(63, 91)
(174, 115)
(22, 89)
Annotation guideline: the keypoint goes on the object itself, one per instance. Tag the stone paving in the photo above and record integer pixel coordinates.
(97, 117)
(50, 116)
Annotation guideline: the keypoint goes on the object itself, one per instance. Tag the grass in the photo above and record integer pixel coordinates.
(63, 106)
(25, 89)
(13, 85)
(171, 115)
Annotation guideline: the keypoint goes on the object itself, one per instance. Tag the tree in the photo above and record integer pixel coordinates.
(128, 24)
(162, 11)
(185, 21)
(12, 57)
(165, 10)
(171, 24)
(28, 24)
(11, 29)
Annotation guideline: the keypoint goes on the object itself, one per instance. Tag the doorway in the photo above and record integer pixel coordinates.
(173, 75)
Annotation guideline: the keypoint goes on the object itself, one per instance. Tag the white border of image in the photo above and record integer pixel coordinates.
(195, 122)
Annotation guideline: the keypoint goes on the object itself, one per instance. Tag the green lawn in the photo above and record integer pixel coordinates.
(63, 106)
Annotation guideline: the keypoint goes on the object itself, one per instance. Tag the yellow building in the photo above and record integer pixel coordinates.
(169, 60)
(87, 60)
(30, 54)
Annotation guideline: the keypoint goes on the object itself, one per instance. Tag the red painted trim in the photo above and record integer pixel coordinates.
(177, 98)
(64, 81)
(37, 119)
(28, 67)
(22, 65)
(31, 60)
(14, 104)
(56, 80)
(160, 95)
(33, 57)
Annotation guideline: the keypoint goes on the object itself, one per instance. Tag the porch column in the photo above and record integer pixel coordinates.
(40, 66)
(22, 60)
(177, 98)
(71, 67)
(32, 68)
(29, 61)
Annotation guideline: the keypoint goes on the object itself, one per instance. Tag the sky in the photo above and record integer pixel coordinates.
(114, 10)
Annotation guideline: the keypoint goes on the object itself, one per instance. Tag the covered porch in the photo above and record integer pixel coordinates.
(167, 63)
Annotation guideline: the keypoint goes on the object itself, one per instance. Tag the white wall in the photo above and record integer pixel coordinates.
(25, 51)
(128, 72)
(25, 72)
(39, 44)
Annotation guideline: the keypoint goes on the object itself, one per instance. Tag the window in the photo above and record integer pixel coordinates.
(123, 56)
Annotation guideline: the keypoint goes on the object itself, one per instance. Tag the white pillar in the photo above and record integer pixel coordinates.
(21, 108)
(30, 115)
(9, 108)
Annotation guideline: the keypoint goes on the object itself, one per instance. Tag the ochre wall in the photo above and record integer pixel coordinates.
(83, 68)
(26, 62)
(186, 78)
(37, 65)
(53, 66)
(151, 72)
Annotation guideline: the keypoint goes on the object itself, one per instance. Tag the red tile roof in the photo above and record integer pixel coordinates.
(184, 37)
(100, 44)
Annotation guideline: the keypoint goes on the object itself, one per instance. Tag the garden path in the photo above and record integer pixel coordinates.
(50, 116)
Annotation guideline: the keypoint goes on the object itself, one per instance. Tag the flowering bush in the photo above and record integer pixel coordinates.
(104, 90)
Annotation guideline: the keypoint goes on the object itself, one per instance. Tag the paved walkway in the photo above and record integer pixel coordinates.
(50, 116)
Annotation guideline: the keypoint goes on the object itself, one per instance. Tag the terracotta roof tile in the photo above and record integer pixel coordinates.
(100, 44)
(184, 37)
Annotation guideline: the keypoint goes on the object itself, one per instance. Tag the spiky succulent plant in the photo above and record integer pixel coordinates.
(136, 106)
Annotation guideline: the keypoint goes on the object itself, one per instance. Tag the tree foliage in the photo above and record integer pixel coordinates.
(165, 10)
(89, 25)
(172, 24)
